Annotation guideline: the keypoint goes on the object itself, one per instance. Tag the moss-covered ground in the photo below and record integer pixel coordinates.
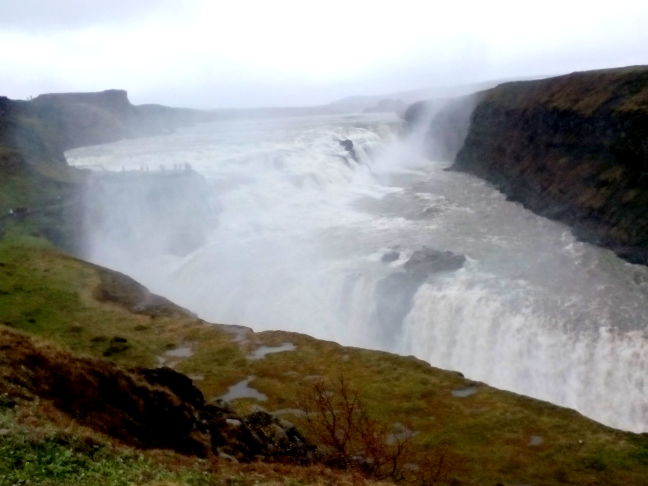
(40, 446)
(488, 437)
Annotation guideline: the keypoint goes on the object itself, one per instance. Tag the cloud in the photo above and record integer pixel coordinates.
(50, 15)
(291, 52)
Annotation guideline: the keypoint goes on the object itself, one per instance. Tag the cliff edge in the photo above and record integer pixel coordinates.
(37, 186)
(573, 148)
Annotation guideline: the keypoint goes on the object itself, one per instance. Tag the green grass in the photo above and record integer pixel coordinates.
(52, 295)
(36, 450)
(584, 93)
(47, 456)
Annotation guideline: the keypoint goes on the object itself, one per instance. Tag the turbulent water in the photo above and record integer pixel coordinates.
(304, 238)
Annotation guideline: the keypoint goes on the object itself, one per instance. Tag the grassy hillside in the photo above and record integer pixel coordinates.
(472, 433)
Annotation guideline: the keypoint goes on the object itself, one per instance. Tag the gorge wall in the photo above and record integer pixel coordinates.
(573, 148)
(39, 189)
(61, 121)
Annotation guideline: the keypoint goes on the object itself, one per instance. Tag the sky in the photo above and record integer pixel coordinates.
(246, 53)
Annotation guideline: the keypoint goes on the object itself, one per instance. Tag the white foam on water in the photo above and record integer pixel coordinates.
(297, 243)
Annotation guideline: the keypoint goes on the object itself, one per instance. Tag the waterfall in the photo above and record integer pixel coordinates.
(291, 232)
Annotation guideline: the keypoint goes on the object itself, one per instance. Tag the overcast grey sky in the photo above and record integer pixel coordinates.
(213, 53)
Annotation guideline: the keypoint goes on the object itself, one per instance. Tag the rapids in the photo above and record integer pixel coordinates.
(305, 239)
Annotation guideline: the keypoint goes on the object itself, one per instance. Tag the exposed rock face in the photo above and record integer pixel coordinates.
(78, 119)
(43, 128)
(348, 146)
(122, 290)
(35, 177)
(395, 293)
(427, 261)
(151, 408)
(46, 126)
(573, 148)
(21, 129)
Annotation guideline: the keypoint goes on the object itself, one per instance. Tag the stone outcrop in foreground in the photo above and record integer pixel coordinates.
(150, 408)
(573, 148)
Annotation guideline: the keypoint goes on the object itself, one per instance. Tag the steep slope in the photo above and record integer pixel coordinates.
(573, 148)
(467, 432)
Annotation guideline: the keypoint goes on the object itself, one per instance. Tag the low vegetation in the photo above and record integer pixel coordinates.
(40, 446)
(406, 425)
(38, 451)
(349, 437)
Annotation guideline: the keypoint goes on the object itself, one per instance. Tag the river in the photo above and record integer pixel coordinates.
(306, 239)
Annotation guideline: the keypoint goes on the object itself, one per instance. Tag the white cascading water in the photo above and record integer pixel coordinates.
(305, 239)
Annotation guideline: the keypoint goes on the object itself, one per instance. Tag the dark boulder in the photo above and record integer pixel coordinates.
(148, 408)
(427, 261)
(259, 435)
(394, 293)
(178, 383)
(348, 146)
(390, 256)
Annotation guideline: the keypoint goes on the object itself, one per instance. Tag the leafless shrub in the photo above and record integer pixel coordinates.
(348, 437)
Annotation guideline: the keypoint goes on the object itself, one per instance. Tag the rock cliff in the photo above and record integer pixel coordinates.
(573, 148)
(38, 186)
(61, 121)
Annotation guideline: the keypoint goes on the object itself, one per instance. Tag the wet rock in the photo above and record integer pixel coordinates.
(394, 294)
(178, 383)
(390, 256)
(571, 148)
(393, 297)
(348, 146)
(122, 290)
(275, 438)
(427, 261)
(149, 408)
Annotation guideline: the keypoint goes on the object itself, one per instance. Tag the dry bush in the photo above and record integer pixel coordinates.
(348, 437)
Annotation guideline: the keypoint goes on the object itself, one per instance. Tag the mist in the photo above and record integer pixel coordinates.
(332, 211)
(274, 224)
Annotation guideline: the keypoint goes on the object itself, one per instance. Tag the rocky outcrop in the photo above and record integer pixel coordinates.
(36, 179)
(348, 146)
(77, 119)
(122, 290)
(22, 130)
(427, 261)
(148, 408)
(394, 294)
(573, 148)
(50, 124)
